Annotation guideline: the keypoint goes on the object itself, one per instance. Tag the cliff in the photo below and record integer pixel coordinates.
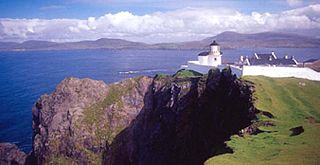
(185, 120)
(179, 119)
(78, 121)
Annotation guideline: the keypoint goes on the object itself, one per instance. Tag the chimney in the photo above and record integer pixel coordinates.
(273, 54)
(241, 58)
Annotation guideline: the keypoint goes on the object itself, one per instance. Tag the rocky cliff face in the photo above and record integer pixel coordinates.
(10, 154)
(185, 121)
(162, 120)
(76, 123)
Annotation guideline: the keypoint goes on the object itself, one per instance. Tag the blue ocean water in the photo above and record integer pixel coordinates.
(25, 76)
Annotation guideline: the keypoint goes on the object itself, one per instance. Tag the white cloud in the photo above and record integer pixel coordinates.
(294, 3)
(178, 25)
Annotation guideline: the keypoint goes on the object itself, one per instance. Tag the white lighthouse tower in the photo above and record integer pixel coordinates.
(214, 56)
(207, 60)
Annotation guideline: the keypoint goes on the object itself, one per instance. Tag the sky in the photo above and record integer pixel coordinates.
(152, 21)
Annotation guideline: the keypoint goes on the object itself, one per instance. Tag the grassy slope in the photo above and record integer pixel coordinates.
(291, 101)
(186, 73)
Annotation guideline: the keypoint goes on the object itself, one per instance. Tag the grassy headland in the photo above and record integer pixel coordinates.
(293, 103)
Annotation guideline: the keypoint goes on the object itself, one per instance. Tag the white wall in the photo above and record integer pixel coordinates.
(194, 65)
(203, 60)
(236, 70)
(199, 68)
(213, 62)
(305, 73)
(215, 49)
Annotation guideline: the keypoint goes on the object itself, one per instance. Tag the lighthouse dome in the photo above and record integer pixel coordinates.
(214, 43)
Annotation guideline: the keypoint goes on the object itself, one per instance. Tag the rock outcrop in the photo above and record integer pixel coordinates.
(185, 121)
(76, 123)
(10, 154)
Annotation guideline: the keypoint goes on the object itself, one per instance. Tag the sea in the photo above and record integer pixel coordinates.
(25, 76)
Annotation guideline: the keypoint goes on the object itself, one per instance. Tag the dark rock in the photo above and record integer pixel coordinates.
(11, 155)
(253, 129)
(268, 114)
(264, 113)
(185, 121)
(296, 131)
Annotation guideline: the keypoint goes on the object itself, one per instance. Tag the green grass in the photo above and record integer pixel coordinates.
(161, 76)
(293, 102)
(95, 115)
(186, 73)
(98, 124)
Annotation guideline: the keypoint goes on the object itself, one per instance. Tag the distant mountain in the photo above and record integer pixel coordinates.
(6, 45)
(266, 39)
(103, 43)
(225, 39)
(315, 65)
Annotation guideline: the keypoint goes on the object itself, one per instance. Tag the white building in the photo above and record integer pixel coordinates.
(259, 64)
(268, 59)
(207, 60)
(211, 58)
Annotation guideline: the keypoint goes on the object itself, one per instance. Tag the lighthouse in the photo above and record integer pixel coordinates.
(207, 60)
(214, 56)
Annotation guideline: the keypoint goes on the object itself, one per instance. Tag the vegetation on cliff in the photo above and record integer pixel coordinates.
(294, 138)
(78, 121)
(186, 74)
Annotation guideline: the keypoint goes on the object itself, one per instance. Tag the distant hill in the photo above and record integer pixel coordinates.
(315, 65)
(103, 43)
(266, 39)
(225, 39)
